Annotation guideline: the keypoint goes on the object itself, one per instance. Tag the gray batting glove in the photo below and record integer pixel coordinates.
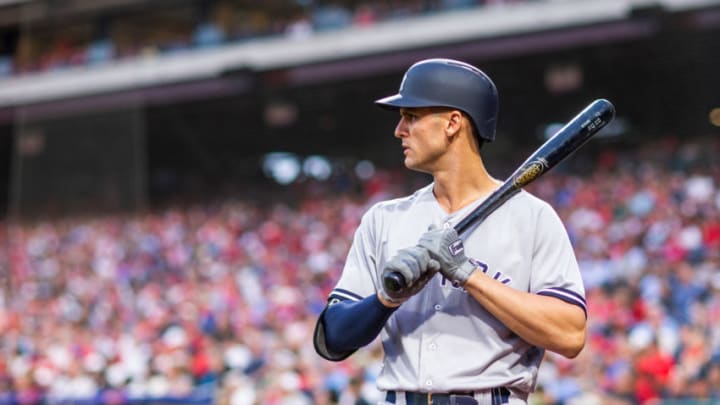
(445, 246)
(417, 268)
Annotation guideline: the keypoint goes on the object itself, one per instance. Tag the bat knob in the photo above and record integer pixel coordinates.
(394, 282)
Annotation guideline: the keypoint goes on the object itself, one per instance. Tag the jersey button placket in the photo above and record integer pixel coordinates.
(430, 355)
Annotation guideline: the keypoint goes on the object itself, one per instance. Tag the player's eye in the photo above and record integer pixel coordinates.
(409, 116)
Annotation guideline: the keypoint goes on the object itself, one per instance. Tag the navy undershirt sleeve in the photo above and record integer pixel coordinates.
(349, 325)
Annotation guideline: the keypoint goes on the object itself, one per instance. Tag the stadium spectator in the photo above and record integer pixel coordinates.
(107, 36)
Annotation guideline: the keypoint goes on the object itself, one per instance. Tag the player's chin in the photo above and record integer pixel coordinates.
(411, 163)
(415, 166)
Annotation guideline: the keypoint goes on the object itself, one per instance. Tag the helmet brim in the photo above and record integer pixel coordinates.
(398, 101)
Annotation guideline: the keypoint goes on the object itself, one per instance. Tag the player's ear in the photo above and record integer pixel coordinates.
(454, 122)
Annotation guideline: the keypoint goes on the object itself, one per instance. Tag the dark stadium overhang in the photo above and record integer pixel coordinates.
(136, 98)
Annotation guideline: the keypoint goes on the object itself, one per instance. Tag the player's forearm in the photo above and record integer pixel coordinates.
(542, 321)
(350, 325)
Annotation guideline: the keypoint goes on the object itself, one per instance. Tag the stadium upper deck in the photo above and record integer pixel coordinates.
(53, 52)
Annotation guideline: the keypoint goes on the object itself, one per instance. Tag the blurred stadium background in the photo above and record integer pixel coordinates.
(182, 179)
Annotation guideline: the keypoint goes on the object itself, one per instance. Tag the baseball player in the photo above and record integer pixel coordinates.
(480, 308)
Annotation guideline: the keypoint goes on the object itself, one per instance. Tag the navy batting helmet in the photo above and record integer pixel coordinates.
(449, 83)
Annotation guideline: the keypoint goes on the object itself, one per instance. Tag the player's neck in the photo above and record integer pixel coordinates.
(462, 185)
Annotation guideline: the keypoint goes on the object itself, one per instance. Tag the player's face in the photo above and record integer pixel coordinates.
(421, 131)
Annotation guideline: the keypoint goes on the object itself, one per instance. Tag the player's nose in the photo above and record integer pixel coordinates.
(401, 129)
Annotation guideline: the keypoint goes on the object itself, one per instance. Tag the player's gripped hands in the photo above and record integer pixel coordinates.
(445, 246)
(417, 268)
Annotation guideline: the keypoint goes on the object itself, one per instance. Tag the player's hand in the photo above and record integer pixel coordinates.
(445, 246)
(416, 267)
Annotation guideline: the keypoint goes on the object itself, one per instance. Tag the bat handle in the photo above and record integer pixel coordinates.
(394, 282)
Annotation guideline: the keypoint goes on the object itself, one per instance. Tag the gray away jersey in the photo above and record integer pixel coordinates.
(441, 339)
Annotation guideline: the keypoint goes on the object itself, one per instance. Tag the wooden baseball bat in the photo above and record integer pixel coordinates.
(562, 144)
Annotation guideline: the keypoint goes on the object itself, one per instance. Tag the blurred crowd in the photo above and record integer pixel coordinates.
(114, 35)
(216, 303)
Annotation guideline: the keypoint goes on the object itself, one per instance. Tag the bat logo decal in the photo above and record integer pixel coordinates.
(530, 172)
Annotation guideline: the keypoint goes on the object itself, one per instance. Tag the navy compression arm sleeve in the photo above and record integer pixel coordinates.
(349, 325)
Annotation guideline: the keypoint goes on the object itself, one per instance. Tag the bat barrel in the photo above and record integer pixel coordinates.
(574, 134)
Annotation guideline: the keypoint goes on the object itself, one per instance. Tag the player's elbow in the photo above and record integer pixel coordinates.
(573, 343)
(569, 339)
(572, 332)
